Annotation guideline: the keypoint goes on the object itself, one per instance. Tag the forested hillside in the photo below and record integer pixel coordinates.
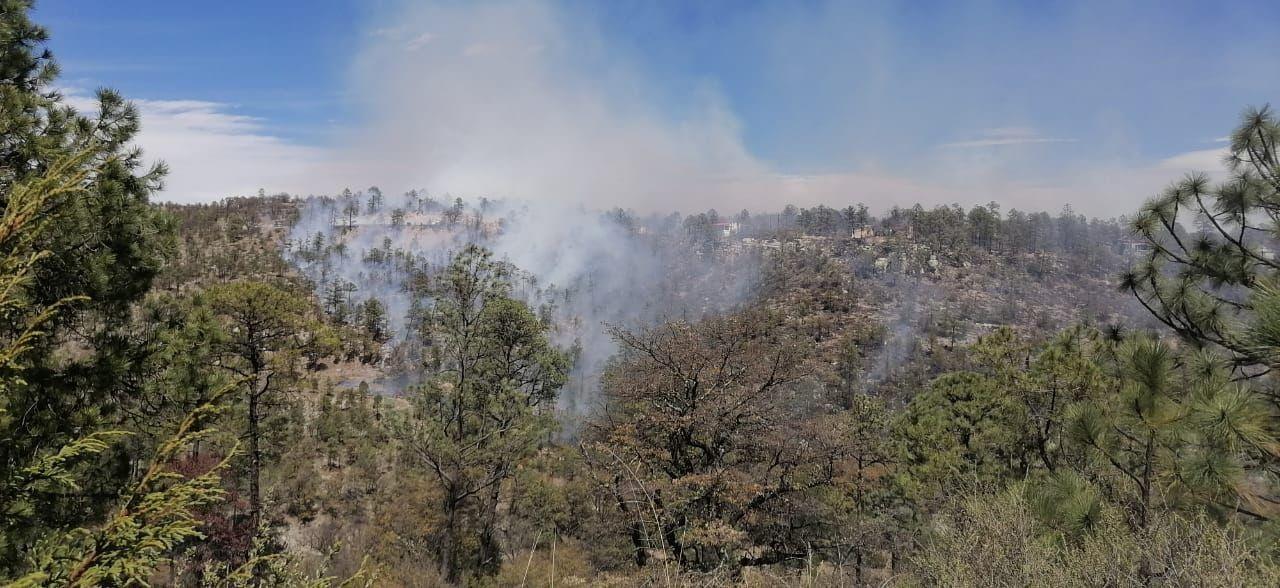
(366, 389)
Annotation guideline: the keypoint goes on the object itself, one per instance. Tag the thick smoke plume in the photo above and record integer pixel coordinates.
(581, 268)
(531, 100)
(510, 98)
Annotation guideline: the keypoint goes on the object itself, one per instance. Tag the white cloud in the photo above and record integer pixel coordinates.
(417, 42)
(213, 152)
(1202, 160)
(1003, 136)
(388, 32)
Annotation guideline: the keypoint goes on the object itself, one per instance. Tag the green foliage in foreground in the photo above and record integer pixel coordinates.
(158, 514)
(144, 531)
(997, 539)
(1149, 432)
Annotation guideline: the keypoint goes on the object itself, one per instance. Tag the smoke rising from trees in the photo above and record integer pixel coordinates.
(582, 269)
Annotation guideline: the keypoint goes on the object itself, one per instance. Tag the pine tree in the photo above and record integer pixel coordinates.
(1202, 282)
(337, 300)
(350, 213)
(966, 429)
(157, 515)
(26, 322)
(488, 407)
(373, 317)
(866, 435)
(1188, 424)
(265, 327)
(104, 244)
(1175, 432)
(375, 200)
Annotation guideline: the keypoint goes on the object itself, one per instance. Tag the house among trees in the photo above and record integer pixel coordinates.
(1134, 247)
(727, 229)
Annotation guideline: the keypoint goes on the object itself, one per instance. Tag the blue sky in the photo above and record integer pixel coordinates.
(657, 104)
(279, 60)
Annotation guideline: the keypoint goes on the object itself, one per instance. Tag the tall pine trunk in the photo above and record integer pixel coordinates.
(259, 388)
(448, 546)
(490, 559)
(255, 465)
